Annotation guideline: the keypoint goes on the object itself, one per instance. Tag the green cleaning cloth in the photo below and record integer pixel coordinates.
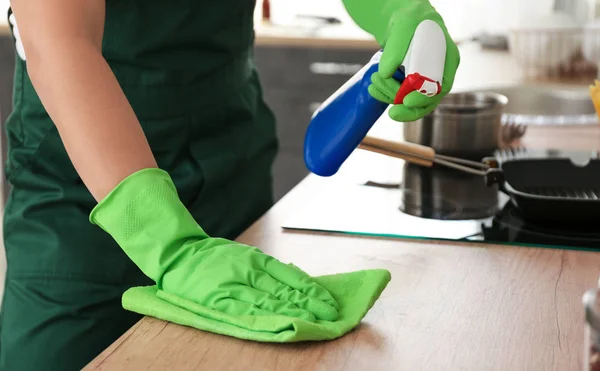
(355, 292)
(219, 285)
(146, 217)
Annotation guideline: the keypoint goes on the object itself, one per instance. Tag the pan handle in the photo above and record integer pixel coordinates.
(425, 156)
(411, 152)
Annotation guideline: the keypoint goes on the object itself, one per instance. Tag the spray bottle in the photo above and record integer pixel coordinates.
(339, 125)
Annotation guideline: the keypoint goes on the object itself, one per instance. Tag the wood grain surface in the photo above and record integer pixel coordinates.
(449, 306)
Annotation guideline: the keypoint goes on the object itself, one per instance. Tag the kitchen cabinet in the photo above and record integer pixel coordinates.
(296, 79)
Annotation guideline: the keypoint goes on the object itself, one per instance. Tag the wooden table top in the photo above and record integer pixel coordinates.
(449, 306)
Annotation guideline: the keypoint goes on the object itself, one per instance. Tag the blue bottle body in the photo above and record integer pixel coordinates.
(342, 122)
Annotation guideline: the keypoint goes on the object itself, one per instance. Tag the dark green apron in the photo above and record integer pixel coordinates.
(187, 69)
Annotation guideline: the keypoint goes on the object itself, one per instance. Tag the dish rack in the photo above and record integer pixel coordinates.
(571, 53)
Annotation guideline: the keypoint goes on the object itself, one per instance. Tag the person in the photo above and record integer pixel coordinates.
(140, 146)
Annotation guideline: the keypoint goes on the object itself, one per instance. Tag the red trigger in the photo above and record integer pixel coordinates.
(412, 82)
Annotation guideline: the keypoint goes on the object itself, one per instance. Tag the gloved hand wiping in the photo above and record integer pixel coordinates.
(393, 24)
(147, 219)
(219, 285)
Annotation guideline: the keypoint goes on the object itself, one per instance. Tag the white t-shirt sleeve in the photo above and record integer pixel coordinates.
(18, 43)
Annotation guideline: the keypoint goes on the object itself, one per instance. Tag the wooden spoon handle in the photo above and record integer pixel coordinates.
(411, 152)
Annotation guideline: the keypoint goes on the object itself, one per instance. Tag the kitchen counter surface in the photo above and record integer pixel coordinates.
(330, 36)
(449, 306)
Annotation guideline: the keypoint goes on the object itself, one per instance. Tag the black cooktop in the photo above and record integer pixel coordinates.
(439, 203)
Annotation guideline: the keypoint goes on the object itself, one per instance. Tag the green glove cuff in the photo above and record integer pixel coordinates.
(377, 16)
(148, 220)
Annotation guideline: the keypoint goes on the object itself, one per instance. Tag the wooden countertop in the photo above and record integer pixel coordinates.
(335, 36)
(449, 306)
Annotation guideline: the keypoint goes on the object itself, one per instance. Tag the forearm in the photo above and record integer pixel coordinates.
(99, 129)
(63, 43)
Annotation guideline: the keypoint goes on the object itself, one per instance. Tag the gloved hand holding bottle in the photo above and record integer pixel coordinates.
(393, 24)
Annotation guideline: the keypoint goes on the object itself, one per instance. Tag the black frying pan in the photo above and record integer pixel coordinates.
(542, 189)
(553, 189)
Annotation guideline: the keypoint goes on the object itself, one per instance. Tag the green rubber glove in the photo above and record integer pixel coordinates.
(147, 219)
(393, 23)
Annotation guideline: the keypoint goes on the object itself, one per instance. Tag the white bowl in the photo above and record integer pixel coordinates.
(546, 41)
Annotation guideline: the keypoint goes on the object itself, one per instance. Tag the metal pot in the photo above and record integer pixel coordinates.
(465, 124)
(446, 194)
